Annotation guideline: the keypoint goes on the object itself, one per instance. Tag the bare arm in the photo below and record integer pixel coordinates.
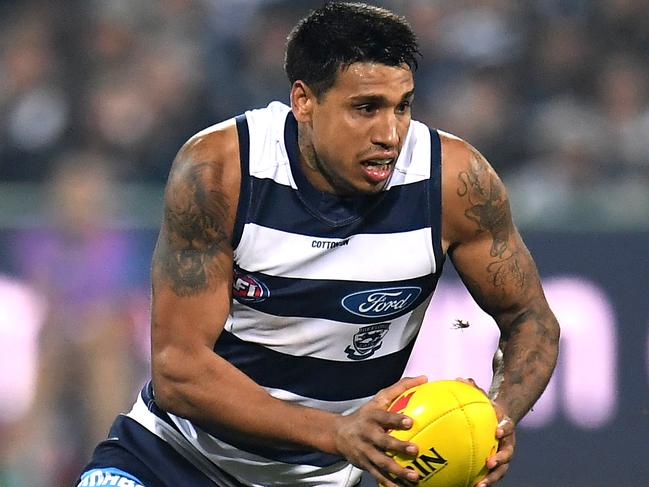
(499, 272)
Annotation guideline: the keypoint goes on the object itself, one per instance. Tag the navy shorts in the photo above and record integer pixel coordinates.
(132, 456)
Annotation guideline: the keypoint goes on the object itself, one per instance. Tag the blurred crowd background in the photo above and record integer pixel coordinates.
(97, 96)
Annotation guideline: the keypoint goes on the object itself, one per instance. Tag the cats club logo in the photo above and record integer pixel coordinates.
(367, 340)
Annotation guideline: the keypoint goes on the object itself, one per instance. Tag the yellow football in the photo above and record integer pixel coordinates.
(454, 426)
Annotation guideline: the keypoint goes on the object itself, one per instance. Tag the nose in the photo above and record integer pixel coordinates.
(386, 131)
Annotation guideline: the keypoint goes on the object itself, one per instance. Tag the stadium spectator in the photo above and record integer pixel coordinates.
(89, 363)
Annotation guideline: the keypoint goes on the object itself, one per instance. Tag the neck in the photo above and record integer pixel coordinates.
(310, 164)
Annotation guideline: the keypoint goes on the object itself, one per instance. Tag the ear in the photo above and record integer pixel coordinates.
(302, 101)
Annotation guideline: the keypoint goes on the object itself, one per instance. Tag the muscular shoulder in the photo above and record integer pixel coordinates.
(474, 198)
(205, 175)
(212, 154)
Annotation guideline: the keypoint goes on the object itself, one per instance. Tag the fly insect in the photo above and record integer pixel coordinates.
(461, 324)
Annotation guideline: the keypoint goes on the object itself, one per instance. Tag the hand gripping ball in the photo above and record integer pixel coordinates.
(454, 426)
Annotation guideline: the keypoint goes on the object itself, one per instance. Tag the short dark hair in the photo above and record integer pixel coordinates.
(342, 33)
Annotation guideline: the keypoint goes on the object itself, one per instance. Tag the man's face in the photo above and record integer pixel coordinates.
(354, 133)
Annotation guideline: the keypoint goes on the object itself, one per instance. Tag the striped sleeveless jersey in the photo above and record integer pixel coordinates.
(328, 293)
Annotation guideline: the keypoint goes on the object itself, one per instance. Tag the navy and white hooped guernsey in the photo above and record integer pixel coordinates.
(329, 293)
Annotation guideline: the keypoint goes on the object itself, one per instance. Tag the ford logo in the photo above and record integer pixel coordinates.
(377, 303)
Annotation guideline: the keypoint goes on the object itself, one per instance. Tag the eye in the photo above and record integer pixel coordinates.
(367, 108)
(404, 106)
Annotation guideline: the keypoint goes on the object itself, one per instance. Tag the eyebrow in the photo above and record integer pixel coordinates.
(380, 99)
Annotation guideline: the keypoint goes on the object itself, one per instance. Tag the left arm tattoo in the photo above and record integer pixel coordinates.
(489, 210)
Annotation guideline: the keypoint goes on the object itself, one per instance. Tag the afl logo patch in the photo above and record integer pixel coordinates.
(248, 289)
(377, 303)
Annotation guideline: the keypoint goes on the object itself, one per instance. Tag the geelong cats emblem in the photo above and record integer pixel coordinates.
(367, 340)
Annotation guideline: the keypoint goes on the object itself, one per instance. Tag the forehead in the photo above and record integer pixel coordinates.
(373, 79)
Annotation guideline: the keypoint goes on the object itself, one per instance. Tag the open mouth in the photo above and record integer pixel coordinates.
(378, 162)
(377, 170)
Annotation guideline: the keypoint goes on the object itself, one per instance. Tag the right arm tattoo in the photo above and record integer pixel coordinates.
(193, 234)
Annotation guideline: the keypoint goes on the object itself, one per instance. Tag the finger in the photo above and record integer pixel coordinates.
(471, 382)
(395, 446)
(392, 421)
(502, 457)
(504, 454)
(383, 480)
(468, 380)
(493, 476)
(412, 381)
(393, 472)
(381, 438)
(385, 396)
(505, 427)
(406, 383)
